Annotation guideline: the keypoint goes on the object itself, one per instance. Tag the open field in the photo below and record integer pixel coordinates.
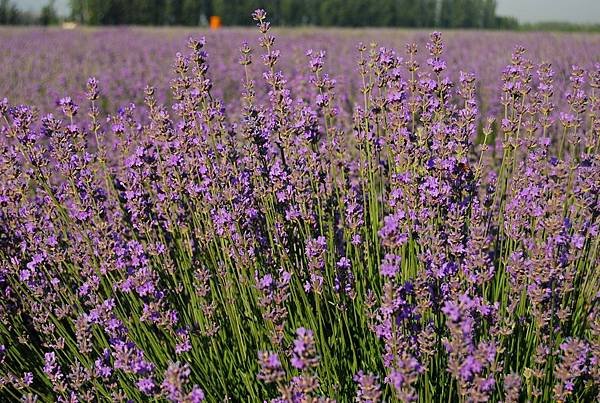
(256, 221)
(40, 66)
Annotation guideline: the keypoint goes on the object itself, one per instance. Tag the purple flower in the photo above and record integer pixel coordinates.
(271, 370)
(368, 390)
(27, 378)
(304, 354)
(146, 386)
(390, 266)
(175, 380)
(196, 395)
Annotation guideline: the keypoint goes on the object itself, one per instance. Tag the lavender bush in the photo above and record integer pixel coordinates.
(409, 239)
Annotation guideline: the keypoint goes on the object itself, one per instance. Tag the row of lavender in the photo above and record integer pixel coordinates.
(45, 65)
(307, 241)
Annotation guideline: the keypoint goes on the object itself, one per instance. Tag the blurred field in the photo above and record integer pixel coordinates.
(39, 66)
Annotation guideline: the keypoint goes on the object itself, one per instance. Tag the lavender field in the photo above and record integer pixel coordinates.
(296, 215)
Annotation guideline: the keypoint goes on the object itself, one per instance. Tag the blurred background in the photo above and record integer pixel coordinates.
(491, 14)
(128, 44)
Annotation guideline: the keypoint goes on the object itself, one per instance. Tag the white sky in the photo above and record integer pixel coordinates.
(581, 11)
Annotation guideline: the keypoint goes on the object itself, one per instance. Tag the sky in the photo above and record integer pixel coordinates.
(62, 6)
(578, 11)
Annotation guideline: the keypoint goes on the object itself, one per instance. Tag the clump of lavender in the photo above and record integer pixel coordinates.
(394, 233)
(368, 390)
(304, 359)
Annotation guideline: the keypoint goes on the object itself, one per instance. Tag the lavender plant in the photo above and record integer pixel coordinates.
(306, 243)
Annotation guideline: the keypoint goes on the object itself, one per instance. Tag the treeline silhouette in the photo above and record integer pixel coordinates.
(11, 14)
(351, 13)
(346, 13)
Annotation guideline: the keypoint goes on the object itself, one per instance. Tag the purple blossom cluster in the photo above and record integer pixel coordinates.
(374, 227)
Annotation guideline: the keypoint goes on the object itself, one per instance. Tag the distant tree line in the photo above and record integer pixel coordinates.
(349, 13)
(352, 13)
(10, 14)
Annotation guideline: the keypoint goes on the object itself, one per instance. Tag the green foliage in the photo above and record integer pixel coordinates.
(11, 15)
(48, 15)
(351, 13)
(348, 13)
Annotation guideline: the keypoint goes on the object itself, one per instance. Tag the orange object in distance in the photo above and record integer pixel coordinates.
(215, 22)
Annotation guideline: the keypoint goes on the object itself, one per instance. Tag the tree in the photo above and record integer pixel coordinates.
(489, 14)
(48, 15)
(10, 14)
(78, 11)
